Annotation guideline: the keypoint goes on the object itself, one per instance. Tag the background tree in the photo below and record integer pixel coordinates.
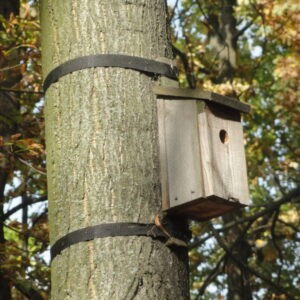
(249, 49)
(23, 232)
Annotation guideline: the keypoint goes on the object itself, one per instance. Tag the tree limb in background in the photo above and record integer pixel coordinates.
(26, 289)
(211, 21)
(8, 7)
(23, 233)
(28, 202)
(171, 16)
(274, 237)
(36, 169)
(270, 208)
(213, 274)
(251, 270)
(189, 74)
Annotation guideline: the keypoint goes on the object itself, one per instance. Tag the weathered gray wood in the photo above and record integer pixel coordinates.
(179, 145)
(102, 151)
(174, 93)
(203, 167)
(223, 163)
(163, 154)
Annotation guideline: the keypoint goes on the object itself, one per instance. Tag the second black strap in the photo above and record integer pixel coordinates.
(110, 230)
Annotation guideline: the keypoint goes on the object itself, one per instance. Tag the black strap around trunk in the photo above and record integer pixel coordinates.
(113, 230)
(144, 65)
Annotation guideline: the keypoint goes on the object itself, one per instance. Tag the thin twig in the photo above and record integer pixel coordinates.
(296, 229)
(22, 91)
(189, 74)
(31, 166)
(25, 233)
(248, 268)
(10, 68)
(247, 26)
(285, 199)
(274, 237)
(208, 19)
(198, 242)
(213, 273)
(28, 202)
(173, 12)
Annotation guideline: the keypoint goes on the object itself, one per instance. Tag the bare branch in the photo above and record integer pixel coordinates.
(189, 74)
(24, 234)
(29, 201)
(27, 290)
(199, 242)
(171, 16)
(211, 24)
(22, 91)
(213, 274)
(274, 237)
(31, 166)
(270, 208)
(242, 30)
(251, 270)
(10, 68)
(296, 229)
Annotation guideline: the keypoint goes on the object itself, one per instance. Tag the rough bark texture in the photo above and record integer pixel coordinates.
(102, 151)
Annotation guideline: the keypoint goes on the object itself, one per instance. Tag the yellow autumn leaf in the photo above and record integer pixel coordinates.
(260, 243)
(197, 285)
(291, 216)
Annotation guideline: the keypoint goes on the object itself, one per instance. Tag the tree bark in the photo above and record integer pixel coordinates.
(102, 151)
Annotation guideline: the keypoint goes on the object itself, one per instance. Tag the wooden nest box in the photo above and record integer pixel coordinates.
(203, 166)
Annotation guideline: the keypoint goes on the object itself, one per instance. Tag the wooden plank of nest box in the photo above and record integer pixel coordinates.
(179, 152)
(201, 95)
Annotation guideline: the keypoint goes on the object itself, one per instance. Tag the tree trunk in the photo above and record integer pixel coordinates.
(223, 39)
(102, 151)
(238, 278)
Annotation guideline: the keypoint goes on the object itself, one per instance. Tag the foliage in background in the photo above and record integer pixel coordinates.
(260, 42)
(24, 273)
